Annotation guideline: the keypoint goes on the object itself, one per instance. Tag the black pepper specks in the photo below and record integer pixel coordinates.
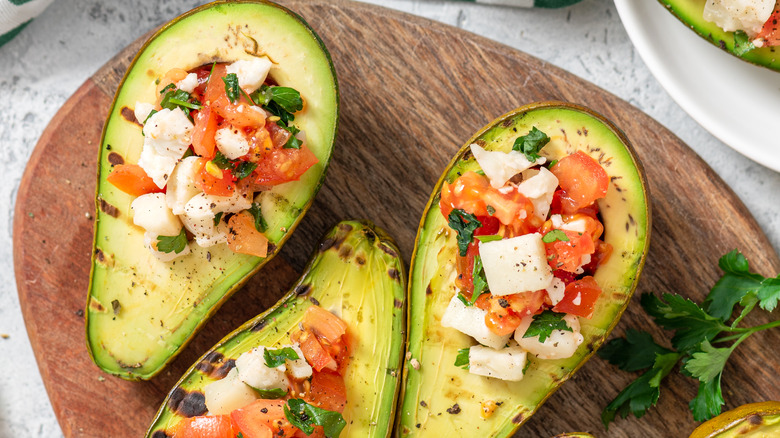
(454, 410)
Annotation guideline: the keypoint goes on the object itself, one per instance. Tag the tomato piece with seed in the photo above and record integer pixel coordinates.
(582, 181)
(580, 298)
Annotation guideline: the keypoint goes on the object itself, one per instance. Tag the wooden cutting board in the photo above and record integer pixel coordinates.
(411, 91)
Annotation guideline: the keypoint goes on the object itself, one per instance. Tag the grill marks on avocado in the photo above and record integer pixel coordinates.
(215, 366)
(115, 159)
(187, 404)
(107, 208)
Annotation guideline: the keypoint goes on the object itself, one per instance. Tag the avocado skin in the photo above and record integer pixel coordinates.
(754, 420)
(357, 271)
(438, 398)
(140, 312)
(691, 12)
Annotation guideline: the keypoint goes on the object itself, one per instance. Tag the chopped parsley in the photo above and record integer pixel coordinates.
(293, 142)
(465, 224)
(490, 238)
(742, 43)
(260, 224)
(239, 168)
(232, 89)
(478, 280)
(274, 358)
(531, 143)
(175, 244)
(544, 323)
(462, 359)
(305, 416)
(180, 99)
(217, 218)
(491, 211)
(552, 236)
(271, 393)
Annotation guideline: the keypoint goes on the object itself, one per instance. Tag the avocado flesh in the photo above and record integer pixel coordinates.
(141, 311)
(691, 13)
(438, 385)
(358, 274)
(754, 420)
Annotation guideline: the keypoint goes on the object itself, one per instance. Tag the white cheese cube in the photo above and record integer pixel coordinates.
(471, 321)
(505, 364)
(181, 184)
(151, 212)
(539, 187)
(516, 265)
(189, 83)
(158, 167)
(228, 394)
(733, 15)
(251, 73)
(198, 218)
(231, 143)
(576, 226)
(150, 242)
(556, 290)
(142, 110)
(499, 166)
(299, 368)
(253, 371)
(169, 132)
(561, 344)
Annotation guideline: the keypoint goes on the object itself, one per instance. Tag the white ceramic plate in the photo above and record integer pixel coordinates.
(737, 102)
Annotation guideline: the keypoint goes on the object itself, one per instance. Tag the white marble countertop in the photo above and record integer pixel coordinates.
(59, 50)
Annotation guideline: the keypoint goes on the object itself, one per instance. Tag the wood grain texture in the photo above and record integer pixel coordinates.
(411, 91)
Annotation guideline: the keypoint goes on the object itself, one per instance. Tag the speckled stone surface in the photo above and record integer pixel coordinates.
(47, 62)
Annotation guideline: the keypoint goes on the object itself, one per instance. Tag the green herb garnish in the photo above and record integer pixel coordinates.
(274, 358)
(478, 280)
(260, 224)
(293, 142)
(232, 89)
(544, 323)
(217, 218)
(490, 238)
(465, 224)
(175, 244)
(552, 236)
(462, 359)
(305, 416)
(742, 43)
(531, 143)
(271, 394)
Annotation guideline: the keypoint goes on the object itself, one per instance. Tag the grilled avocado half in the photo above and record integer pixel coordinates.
(439, 398)
(141, 311)
(754, 420)
(357, 273)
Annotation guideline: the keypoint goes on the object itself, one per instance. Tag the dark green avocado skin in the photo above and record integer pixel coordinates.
(690, 12)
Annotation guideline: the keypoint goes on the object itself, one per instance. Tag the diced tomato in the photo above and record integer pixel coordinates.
(582, 180)
(212, 185)
(240, 113)
(465, 266)
(580, 298)
(566, 276)
(504, 313)
(132, 179)
(212, 426)
(567, 255)
(316, 355)
(279, 166)
(770, 33)
(490, 226)
(328, 391)
(324, 324)
(603, 251)
(244, 238)
(206, 125)
(473, 193)
(263, 419)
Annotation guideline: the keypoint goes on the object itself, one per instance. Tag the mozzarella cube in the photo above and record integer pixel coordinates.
(158, 167)
(189, 83)
(470, 320)
(733, 15)
(151, 212)
(505, 364)
(231, 143)
(539, 187)
(499, 166)
(251, 73)
(150, 242)
(299, 368)
(198, 218)
(181, 184)
(169, 132)
(576, 226)
(515, 265)
(228, 394)
(561, 344)
(253, 371)
(556, 290)
(142, 111)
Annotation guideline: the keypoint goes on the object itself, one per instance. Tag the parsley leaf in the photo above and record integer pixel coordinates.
(742, 43)
(260, 224)
(478, 280)
(274, 358)
(293, 142)
(151, 113)
(552, 236)
(465, 224)
(217, 218)
(462, 359)
(708, 400)
(491, 211)
(242, 169)
(287, 98)
(707, 363)
(544, 323)
(221, 161)
(531, 143)
(737, 281)
(179, 99)
(635, 352)
(305, 416)
(463, 299)
(172, 243)
(168, 87)
(491, 238)
(271, 393)
(692, 325)
(232, 89)
(279, 101)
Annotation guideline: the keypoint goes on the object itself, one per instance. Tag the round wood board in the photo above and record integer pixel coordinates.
(401, 122)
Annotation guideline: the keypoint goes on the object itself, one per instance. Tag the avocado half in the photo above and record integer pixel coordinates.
(357, 273)
(691, 12)
(439, 398)
(754, 420)
(141, 311)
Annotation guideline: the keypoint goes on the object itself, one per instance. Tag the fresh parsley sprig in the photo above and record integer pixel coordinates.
(465, 224)
(531, 143)
(305, 416)
(697, 330)
(174, 244)
(274, 358)
(544, 323)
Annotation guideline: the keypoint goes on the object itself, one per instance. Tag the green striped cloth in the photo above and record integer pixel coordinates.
(16, 14)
